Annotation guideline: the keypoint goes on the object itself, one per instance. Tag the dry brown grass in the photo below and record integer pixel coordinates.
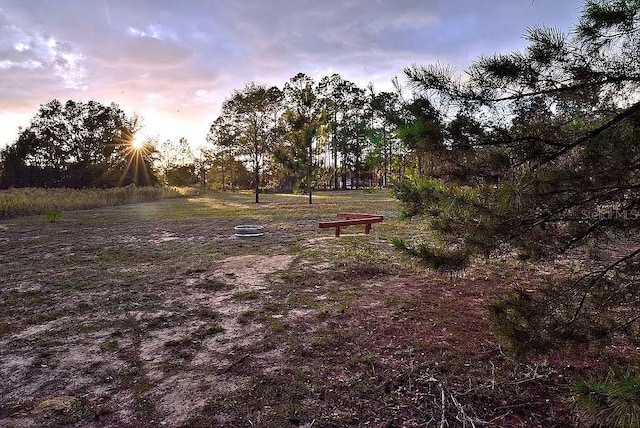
(155, 313)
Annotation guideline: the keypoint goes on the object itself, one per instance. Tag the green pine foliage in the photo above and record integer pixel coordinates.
(542, 157)
(613, 402)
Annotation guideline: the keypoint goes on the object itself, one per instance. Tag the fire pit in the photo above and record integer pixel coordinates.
(248, 230)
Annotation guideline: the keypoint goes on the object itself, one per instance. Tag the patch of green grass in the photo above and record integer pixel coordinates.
(53, 215)
(79, 410)
(301, 300)
(49, 314)
(51, 202)
(297, 277)
(28, 298)
(195, 269)
(277, 325)
(295, 249)
(160, 321)
(110, 345)
(207, 312)
(369, 190)
(129, 306)
(369, 357)
(323, 313)
(213, 330)
(184, 341)
(355, 257)
(246, 317)
(195, 338)
(90, 326)
(243, 296)
(273, 308)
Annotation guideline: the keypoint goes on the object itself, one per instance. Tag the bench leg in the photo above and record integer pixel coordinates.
(337, 231)
(367, 228)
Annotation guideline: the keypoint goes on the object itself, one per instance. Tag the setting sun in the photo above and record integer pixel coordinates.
(137, 144)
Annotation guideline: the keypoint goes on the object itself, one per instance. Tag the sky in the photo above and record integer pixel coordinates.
(175, 61)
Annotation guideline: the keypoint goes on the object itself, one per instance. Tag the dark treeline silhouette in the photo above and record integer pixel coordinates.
(77, 145)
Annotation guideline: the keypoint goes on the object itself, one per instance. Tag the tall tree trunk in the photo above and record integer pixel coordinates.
(256, 178)
(203, 175)
(336, 179)
(385, 178)
(343, 177)
(222, 173)
(309, 169)
(335, 158)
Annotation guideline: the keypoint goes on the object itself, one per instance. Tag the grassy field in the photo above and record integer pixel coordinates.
(154, 314)
(53, 202)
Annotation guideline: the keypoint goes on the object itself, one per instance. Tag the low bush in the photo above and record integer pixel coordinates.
(433, 256)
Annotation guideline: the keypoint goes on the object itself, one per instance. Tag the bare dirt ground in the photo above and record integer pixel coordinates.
(156, 315)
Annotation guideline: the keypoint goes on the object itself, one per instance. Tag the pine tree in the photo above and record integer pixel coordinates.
(544, 157)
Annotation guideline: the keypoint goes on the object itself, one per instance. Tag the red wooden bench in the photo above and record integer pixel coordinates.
(351, 219)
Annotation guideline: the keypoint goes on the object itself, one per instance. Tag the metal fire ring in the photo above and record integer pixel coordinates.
(248, 230)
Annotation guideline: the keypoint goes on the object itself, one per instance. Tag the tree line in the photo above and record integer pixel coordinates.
(76, 145)
(329, 134)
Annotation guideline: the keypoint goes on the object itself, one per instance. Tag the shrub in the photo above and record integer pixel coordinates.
(53, 215)
(519, 320)
(435, 257)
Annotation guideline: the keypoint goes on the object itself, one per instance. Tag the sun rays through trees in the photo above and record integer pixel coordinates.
(75, 145)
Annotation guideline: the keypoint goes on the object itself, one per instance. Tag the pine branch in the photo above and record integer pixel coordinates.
(635, 108)
(562, 89)
(597, 276)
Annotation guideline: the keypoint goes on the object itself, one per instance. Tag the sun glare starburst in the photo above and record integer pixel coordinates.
(137, 144)
(136, 151)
